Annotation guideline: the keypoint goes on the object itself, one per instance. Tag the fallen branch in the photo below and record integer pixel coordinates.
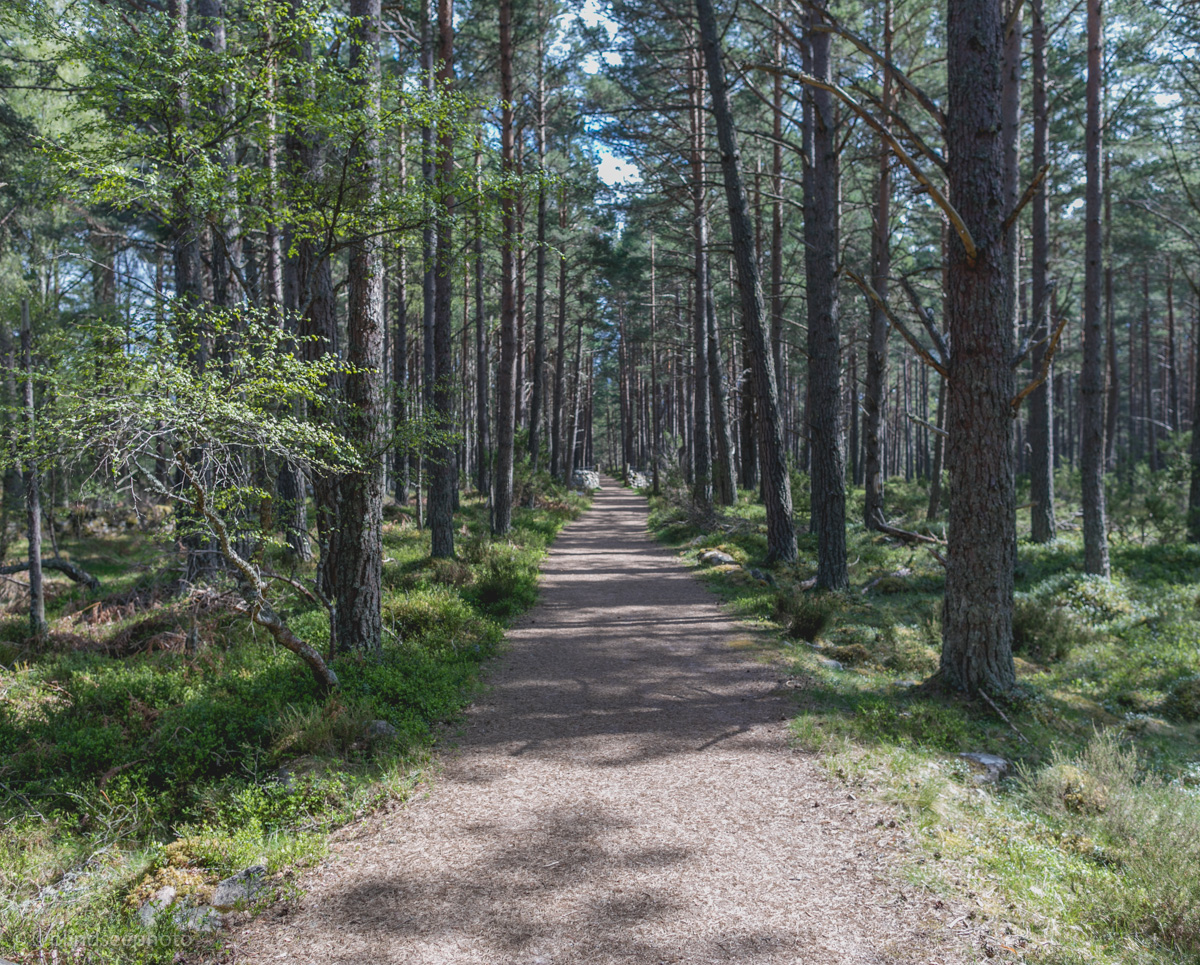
(66, 567)
(1003, 717)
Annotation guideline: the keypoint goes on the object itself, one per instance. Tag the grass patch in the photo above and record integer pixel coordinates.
(127, 765)
(1088, 851)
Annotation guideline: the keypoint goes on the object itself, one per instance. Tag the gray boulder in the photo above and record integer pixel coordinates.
(240, 889)
(992, 767)
(716, 558)
(379, 730)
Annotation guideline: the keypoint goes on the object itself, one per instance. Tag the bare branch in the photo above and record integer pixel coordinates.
(920, 349)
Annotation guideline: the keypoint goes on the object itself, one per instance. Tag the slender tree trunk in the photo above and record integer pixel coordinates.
(977, 614)
(33, 503)
(429, 232)
(1041, 401)
(724, 484)
(777, 213)
(777, 489)
(655, 401)
(702, 488)
(1091, 383)
(824, 370)
(443, 481)
(536, 401)
(873, 505)
(483, 441)
(560, 360)
(1113, 408)
(401, 402)
(505, 381)
(357, 569)
(1172, 360)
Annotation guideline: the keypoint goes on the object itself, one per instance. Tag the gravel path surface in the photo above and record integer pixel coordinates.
(624, 792)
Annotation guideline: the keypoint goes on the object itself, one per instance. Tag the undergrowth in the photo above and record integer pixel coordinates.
(1089, 851)
(124, 768)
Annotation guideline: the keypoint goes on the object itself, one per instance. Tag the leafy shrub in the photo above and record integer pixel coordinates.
(1183, 702)
(506, 583)
(805, 615)
(1044, 631)
(1149, 831)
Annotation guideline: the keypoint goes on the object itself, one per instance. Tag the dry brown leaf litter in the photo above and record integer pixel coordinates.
(624, 792)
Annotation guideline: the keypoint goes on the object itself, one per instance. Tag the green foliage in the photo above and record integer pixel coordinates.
(169, 765)
(805, 615)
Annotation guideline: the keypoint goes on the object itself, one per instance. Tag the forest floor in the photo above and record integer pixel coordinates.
(624, 791)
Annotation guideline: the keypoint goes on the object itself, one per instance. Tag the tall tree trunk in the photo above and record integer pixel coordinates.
(777, 488)
(443, 481)
(724, 484)
(506, 375)
(1112, 410)
(560, 360)
(702, 488)
(429, 232)
(402, 460)
(357, 568)
(483, 441)
(655, 406)
(536, 401)
(873, 480)
(777, 212)
(33, 503)
(1041, 401)
(1172, 361)
(828, 480)
(977, 614)
(1091, 383)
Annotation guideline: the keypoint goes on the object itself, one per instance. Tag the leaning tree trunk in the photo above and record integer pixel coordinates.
(1041, 401)
(977, 614)
(443, 474)
(506, 375)
(356, 571)
(1091, 380)
(824, 364)
(777, 489)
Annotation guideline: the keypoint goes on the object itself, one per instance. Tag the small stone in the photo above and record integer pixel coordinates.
(379, 730)
(240, 889)
(716, 558)
(761, 575)
(830, 663)
(155, 904)
(994, 767)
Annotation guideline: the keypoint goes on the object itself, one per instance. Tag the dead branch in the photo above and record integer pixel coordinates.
(900, 326)
(1025, 199)
(960, 226)
(1045, 370)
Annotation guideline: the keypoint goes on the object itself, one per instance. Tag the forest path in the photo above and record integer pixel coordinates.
(623, 792)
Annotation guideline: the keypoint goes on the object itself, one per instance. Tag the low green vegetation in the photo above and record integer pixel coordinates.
(153, 739)
(1088, 849)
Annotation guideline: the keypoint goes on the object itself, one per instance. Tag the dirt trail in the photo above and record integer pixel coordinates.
(624, 792)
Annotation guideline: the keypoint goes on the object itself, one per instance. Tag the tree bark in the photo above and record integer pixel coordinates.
(828, 480)
(443, 479)
(977, 614)
(505, 379)
(537, 397)
(33, 504)
(777, 490)
(483, 441)
(724, 484)
(873, 478)
(1091, 382)
(702, 488)
(357, 568)
(1041, 402)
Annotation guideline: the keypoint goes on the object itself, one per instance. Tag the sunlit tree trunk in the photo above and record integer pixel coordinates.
(977, 614)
